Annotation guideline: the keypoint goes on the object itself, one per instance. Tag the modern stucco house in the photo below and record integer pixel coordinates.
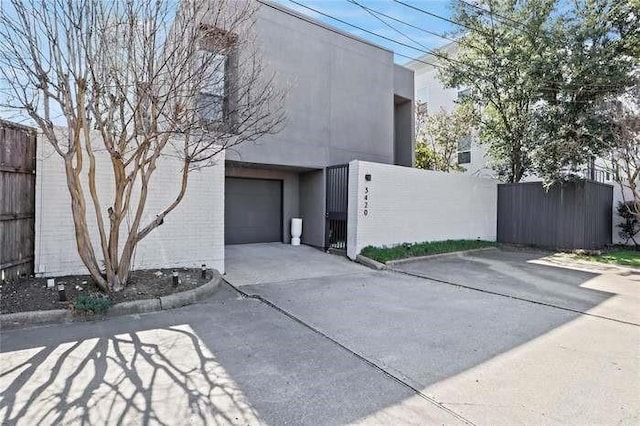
(347, 100)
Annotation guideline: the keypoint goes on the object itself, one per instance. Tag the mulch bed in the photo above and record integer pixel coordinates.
(32, 294)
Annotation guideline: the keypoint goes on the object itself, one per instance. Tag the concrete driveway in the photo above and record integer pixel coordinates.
(508, 347)
(335, 343)
(250, 264)
(555, 279)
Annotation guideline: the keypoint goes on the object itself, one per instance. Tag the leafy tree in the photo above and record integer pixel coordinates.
(590, 63)
(539, 73)
(438, 135)
(496, 60)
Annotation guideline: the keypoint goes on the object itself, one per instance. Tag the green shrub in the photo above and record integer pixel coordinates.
(94, 303)
(406, 250)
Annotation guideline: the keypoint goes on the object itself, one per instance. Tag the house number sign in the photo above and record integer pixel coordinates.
(365, 211)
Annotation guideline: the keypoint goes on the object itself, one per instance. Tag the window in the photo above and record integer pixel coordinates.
(217, 63)
(463, 93)
(464, 150)
(211, 100)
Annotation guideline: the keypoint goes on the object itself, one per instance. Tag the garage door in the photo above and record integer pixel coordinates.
(252, 211)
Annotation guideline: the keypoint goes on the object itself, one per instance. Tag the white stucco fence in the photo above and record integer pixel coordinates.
(402, 204)
(191, 235)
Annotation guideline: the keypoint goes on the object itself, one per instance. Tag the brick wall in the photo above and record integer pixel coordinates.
(404, 204)
(191, 235)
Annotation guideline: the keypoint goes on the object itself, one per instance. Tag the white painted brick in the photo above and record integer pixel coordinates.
(413, 205)
(191, 235)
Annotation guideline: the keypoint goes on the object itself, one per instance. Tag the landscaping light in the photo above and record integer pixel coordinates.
(204, 271)
(51, 283)
(62, 296)
(3, 276)
(175, 278)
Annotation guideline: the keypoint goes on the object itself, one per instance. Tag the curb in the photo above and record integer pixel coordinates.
(370, 263)
(161, 303)
(392, 263)
(35, 317)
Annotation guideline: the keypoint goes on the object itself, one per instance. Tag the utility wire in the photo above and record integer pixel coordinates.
(400, 21)
(490, 11)
(426, 12)
(387, 24)
(604, 85)
(426, 51)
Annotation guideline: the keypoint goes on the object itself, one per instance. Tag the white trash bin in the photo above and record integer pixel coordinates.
(296, 231)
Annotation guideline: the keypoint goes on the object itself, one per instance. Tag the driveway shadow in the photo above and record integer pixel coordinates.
(531, 275)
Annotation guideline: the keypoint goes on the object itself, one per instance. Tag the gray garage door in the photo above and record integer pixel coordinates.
(252, 211)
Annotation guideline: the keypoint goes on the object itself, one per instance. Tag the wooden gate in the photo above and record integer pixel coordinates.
(17, 199)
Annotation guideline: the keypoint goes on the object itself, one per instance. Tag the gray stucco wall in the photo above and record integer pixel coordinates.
(290, 191)
(312, 207)
(404, 119)
(403, 82)
(341, 97)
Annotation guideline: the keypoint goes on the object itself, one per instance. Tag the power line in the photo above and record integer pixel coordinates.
(377, 12)
(491, 12)
(426, 12)
(607, 85)
(428, 51)
(387, 24)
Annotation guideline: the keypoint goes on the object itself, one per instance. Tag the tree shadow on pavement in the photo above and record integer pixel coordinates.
(158, 376)
(229, 360)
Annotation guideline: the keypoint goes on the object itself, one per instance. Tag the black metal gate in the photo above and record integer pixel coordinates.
(336, 212)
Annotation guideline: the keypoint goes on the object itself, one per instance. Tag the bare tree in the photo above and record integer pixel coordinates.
(139, 80)
(625, 116)
(439, 135)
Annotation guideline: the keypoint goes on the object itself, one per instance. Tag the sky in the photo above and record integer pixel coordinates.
(350, 12)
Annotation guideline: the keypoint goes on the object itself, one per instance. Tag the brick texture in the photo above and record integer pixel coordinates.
(191, 235)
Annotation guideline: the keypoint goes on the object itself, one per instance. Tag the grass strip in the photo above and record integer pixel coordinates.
(407, 250)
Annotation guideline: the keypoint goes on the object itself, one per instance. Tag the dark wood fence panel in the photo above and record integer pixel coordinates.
(17, 199)
(575, 215)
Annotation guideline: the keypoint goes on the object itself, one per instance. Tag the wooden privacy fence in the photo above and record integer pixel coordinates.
(17, 199)
(573, 215)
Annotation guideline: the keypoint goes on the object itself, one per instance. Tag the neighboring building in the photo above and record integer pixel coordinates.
(430, 91)
(473, 156)
(347, 101)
